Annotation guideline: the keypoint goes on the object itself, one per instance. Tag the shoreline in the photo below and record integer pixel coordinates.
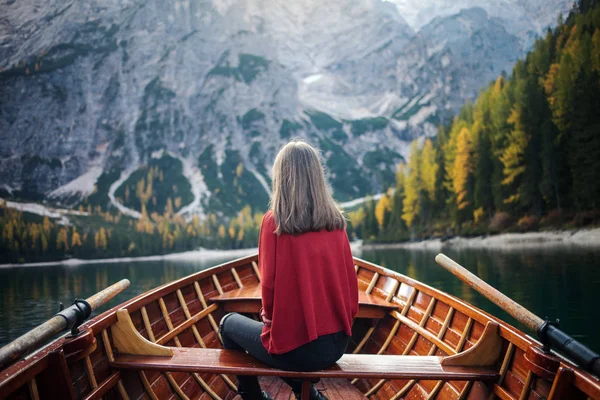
(192, 255)
(573, 238)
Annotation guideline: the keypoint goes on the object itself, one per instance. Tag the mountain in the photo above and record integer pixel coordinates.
(132, 104)
(526, 19)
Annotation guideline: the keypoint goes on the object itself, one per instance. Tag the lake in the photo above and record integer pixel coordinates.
(558, 283)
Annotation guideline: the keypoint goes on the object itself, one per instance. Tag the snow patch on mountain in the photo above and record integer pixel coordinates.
(113, 188)
(81, 186)
(194, 176)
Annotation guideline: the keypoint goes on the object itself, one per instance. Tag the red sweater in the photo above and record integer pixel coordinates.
(309, 286)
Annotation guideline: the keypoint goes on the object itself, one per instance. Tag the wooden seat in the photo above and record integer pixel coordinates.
(247, 299)
(478, 363)
(219, 361)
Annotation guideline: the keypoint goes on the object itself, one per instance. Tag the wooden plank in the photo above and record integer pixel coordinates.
(89, 369)
(147, 324)
(33, 390)
(147, 386)
(465, 391)
(57, 376)
(527, 386)
(256, 270)
(364, 340)
(465, 334)
(372, 283)
(562, 382)
(236, 277)
(247, 299)
(211, 319)
(176, 386)
(344, 388)
(404, 389)
(435, 390)
(217, 284)
(104, 387)
(190, 322)
(410, 345)
(185, 325)
(423, 332)
(350, 365)
(253, 292)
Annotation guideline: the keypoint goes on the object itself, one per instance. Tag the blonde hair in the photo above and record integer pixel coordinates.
(301, 200)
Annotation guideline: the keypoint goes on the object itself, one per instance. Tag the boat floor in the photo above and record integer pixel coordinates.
(333, 389)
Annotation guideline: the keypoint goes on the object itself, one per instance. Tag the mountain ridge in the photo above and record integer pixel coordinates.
(108, 84)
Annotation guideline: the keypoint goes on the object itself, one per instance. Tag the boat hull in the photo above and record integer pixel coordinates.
(426, 322)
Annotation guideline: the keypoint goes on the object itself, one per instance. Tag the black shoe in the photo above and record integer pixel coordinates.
(314, 394)
(262, 396)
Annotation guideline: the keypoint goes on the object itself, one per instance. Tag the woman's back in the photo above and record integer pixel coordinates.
(309, 285)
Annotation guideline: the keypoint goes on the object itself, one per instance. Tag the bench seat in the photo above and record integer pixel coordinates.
(219, 361)
(247, 299)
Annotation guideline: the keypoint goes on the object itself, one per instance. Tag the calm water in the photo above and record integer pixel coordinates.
(561, 284)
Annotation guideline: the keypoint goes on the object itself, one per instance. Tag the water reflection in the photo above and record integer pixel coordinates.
(30, 295)
(556, 283)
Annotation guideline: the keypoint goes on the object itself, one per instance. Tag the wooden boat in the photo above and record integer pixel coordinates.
(409, 341)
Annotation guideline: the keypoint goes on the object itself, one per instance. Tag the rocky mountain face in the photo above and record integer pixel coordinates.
(99, 96)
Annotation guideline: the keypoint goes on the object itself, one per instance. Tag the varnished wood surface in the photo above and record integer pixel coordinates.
(425, 322)
(253, 292)
(349, 366)
(129, 341)
(333, 389)
(247, 299)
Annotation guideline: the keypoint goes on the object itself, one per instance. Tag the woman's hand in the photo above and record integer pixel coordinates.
(263, 316)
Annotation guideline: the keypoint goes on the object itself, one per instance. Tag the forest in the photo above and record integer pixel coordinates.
(94, 233)
(524, 156)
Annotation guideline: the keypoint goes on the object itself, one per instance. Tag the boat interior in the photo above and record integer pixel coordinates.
(410, 341)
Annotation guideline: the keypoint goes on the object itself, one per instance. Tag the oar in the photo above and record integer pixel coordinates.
(548, 334)
(69, 318)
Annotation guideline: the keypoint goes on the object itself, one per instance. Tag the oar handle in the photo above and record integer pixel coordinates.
(519, 312)
(65, 319)
(548, 334)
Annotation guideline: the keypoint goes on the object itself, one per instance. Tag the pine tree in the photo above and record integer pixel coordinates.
(412, 189)
(461, 169)
(382, 211)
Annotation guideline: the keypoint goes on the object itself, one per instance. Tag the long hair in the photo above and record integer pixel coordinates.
(301, 200)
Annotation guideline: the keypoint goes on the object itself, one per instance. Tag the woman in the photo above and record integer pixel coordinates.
(308, 281)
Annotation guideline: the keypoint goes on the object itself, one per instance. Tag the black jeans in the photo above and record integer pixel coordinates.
(242, 333)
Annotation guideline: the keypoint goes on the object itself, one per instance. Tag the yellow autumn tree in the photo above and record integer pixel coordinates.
(62, 240)
(513, 155)
(169, 208)
(231, 230)
(357, 217)
(461, 168)
(75, 238)
(384, 205)
(428, 169)
(239, 170)
(221, 232)
(411, 206)
(596, 50)
(100, 241)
